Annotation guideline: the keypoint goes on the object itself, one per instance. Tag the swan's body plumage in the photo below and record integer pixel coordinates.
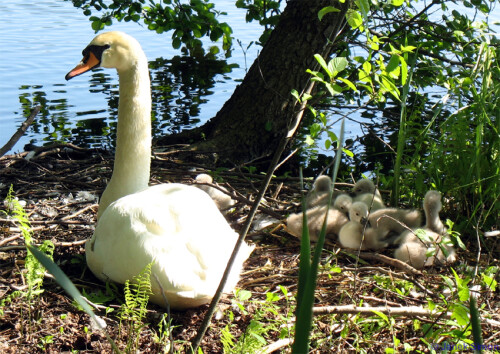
(426, 250)
(177, 227)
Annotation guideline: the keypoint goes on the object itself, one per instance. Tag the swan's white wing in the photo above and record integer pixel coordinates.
(179, 228)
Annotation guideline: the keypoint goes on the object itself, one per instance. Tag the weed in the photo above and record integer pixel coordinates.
(133, 311)
(33, 272)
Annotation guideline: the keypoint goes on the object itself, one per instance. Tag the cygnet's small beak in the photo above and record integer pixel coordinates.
(364, 221)
(88, 63)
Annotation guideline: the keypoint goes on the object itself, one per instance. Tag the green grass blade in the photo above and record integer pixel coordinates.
(307, 281)
(63, 280)
(304, 258)
(476, 325)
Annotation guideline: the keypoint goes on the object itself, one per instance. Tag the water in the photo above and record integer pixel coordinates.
(41, 41)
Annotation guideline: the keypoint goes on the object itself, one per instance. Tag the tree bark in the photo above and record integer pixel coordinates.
(259, 113)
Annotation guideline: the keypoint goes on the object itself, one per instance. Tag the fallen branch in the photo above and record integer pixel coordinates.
(411, 311)
(20, 132)
(391, 261)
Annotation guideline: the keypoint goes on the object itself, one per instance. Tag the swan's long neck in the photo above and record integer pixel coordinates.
(133, 141)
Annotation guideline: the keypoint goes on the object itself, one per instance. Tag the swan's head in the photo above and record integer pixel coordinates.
(363, 186)
(109, 50)
(322, 184)
(358, 212)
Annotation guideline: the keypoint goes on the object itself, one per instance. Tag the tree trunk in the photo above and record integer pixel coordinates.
(260, 111)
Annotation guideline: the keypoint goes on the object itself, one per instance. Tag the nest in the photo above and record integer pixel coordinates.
(60, 185)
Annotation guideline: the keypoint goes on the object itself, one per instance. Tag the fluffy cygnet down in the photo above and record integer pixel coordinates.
(420, 254)
(432, 208)
(394, 220)
(221, 199)
(355, 235)
(425, 246)
(343, 203)
(365, 191)
(320, 193)
(315, 220)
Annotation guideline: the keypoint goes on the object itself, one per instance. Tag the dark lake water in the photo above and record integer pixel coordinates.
(41, 41)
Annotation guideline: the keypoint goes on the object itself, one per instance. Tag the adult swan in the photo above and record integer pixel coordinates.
(178, 227)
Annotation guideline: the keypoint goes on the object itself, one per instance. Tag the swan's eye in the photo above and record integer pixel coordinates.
(97, 50)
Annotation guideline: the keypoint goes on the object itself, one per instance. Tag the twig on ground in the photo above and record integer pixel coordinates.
(20, 132)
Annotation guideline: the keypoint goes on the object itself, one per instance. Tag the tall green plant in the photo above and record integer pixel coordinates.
(308, 269)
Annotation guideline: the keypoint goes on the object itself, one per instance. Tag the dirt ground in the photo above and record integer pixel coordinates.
(52, 183)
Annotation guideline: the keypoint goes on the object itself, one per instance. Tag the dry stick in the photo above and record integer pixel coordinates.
(398, 311)
(292, 128)
(20, 132)
(272, 167)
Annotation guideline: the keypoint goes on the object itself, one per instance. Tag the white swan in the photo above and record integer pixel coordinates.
(365, 191)
(426, 250)
(223, 200)
(351, 234)
(315, 219)
(177, 227)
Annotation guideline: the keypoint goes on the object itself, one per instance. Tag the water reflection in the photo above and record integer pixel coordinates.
(180, 85)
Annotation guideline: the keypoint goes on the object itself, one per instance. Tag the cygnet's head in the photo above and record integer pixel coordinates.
(358, 212)
(363, 186)
(110, 50)
(343, 203)
(432, 202)
(322, 184)
(204, 178)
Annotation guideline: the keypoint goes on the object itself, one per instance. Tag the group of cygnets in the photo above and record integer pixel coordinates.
(361, 220)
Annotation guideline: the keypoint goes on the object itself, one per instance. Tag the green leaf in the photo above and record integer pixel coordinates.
(323, 64)
(348, 152)
(326, 10)
(389, 85)
(397, 2)
(296, 95)
(97, 25)
(65, 283)
(348, 83)
(404, 70)
(354, 19)
(364, 7)
(393, 63)
(337, 64)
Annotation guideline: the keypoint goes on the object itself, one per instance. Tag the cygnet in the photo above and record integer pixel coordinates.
(320, 192)
(351, 234)
(365, 191)
(343, 203)
(415, 249)
(394, 220)
(315, 220)
(221, 199)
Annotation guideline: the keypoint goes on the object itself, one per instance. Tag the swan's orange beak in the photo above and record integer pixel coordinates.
(87, 63)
